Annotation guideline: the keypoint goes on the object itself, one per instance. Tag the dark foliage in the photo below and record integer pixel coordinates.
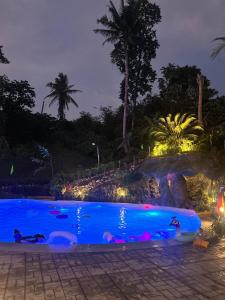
(3, 59)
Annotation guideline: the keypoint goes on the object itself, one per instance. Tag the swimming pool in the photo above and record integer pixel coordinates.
(92, 223)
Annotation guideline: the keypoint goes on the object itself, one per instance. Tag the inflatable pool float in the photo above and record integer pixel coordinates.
(70, 237)
(112, 239)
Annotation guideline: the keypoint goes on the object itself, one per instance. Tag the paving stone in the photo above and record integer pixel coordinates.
(175, 272)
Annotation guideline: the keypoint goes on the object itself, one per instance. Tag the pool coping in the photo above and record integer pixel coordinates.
(86, 248)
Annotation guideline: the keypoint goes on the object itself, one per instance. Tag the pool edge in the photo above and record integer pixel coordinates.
(86, 248)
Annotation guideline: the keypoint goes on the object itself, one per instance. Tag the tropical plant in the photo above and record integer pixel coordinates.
(44, 161)
(219, 47)
(61, 91)
(201, 191)
(3, 59)
(176, 134)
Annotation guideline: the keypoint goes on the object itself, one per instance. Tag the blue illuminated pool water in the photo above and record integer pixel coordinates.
(93, 223)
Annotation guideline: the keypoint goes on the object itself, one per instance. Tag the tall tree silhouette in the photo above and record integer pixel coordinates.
(128, 28)
(61, 92)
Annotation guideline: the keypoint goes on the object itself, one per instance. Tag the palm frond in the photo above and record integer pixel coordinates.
(183, 117)
(163, 120)
(52, 94)
(114, 13)
(192, 136)
(187, 122)
(53, 100)
(71, 100)
(219, 47)
(198, 127)
(177, 118)
(74, 91)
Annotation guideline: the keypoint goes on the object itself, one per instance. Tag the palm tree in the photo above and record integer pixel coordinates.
(3, 59)
(121, 28)
(219, 47)
(61, 91)
(178, 132)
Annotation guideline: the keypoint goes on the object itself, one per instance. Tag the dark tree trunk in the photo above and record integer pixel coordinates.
(61, 114)
(200, 81)
(125, 104)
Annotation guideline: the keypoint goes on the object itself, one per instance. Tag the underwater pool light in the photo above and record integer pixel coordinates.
(147, 206)
(153, 213)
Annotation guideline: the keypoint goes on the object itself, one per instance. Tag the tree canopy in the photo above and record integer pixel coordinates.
(178, 90)
(16, 95)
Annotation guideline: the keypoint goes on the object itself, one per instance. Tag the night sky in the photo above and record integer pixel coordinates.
(44, 37)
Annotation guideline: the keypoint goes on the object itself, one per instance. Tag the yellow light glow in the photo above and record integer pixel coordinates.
(121, 192)
(81, 191)
(181, 146)
(160, 149)
(63, 191)
(222, 209)
(186, 146)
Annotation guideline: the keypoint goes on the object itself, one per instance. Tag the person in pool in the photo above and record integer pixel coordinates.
(175, 222)
(17, 236)
(31, 238)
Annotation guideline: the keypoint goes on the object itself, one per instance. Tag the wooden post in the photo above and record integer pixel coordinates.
(200, 81)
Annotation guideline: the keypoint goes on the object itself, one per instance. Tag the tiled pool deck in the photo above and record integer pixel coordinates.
(172, 272)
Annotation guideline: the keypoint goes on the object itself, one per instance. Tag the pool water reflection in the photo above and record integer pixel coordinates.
(92, 223)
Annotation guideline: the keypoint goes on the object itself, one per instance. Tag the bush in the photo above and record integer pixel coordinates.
(218, 228)
(200, 192)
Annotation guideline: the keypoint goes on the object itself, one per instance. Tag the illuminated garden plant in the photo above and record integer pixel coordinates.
(77, 191)
(176, 134)
(121, 192)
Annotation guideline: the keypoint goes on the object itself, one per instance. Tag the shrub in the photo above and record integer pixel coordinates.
(200, 191)
(218, 228)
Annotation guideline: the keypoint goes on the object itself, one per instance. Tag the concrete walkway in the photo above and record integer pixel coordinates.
(175, 272)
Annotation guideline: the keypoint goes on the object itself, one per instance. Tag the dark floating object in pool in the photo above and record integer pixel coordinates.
(86, 216)
(55, 212)
(62, 216)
